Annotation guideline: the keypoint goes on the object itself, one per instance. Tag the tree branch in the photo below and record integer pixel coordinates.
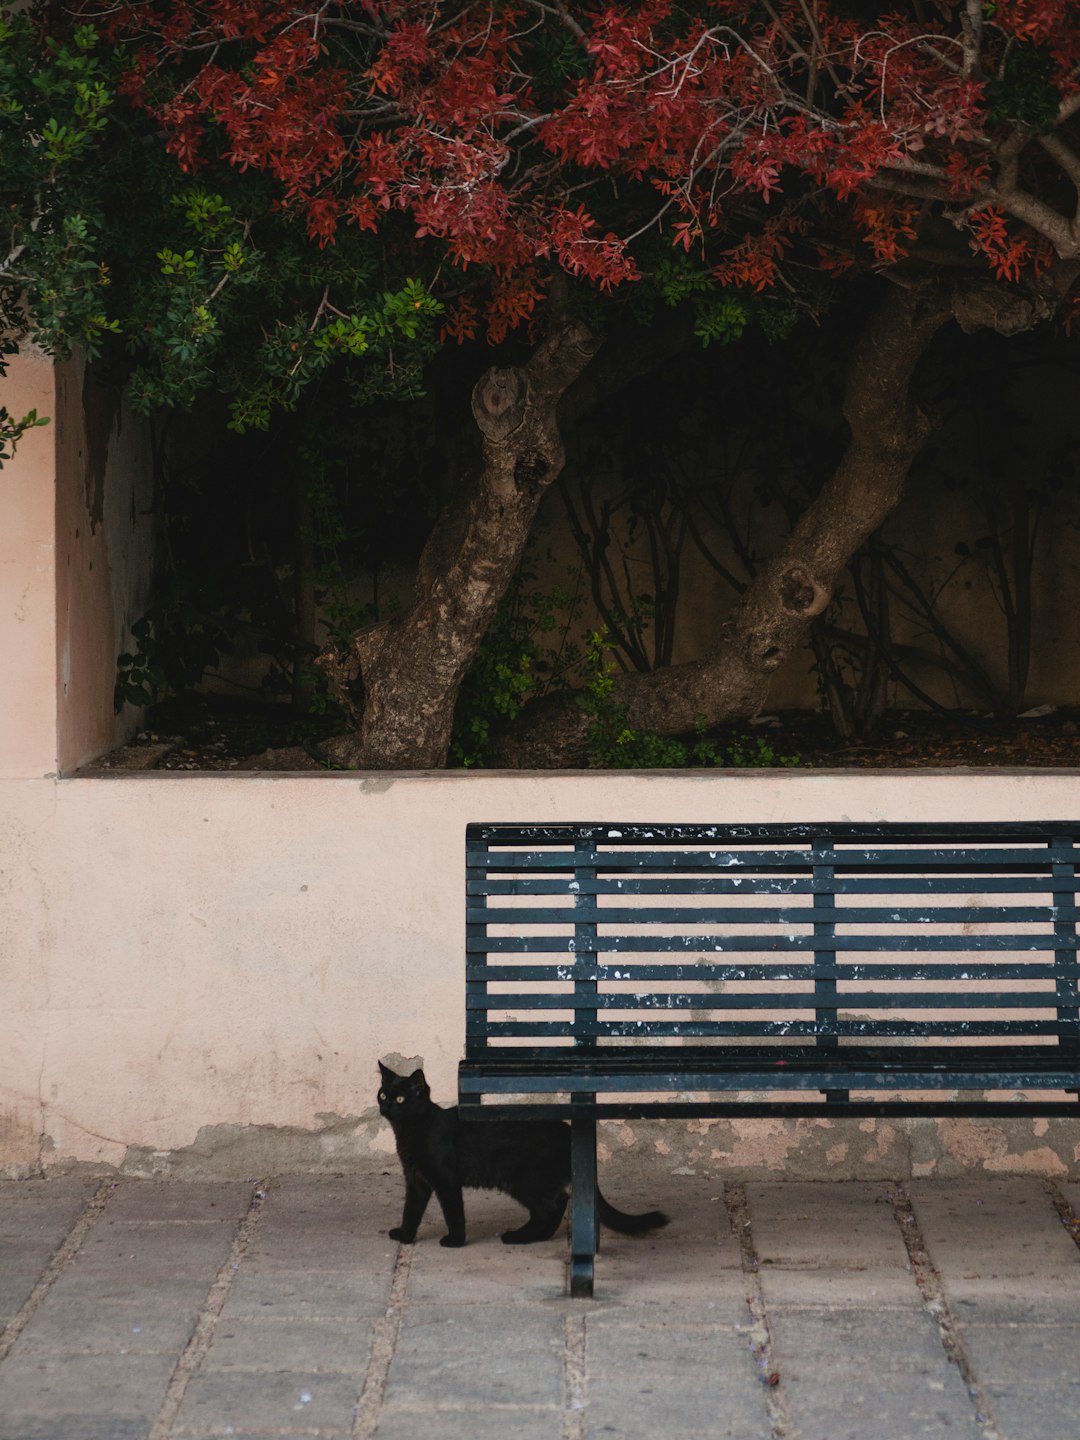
(972, 22)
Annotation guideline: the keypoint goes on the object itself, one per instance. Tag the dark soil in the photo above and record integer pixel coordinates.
(220, 736)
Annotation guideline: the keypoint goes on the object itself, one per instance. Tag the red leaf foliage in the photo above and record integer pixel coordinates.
(518, 138)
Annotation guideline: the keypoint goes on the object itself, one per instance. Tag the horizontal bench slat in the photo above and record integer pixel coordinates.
(478, 972)
(748, 1029)
(777, 1078)
(527, 1059)
(596, 831)
(785, 1000)
(780, 915)
(932, 858)
(787, 1109)
(782, 940)
(535, 885)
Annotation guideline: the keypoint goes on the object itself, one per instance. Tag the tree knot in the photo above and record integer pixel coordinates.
(498, 402)
(800, 594)
(532, 471)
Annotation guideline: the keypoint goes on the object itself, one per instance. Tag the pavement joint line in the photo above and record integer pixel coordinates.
(777, 1410)
(321, 1370)
(164, 1224)
(194, 1352)
(291, 1317)
(1066, 1214)
(575, 1379)
(928, 1279)
(384, 1341)
(242, 1429)
(62, 1257)
(468, 1407)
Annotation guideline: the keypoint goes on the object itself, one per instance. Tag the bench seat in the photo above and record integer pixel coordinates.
(802, 970)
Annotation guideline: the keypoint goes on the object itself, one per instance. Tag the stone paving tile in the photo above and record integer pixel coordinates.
(169, 1291)
(49, 1390)
(370, 1202)
(1010, 1270)
(485, 1345)
(826, 1226)
(487, 1272)
(997, 1239)
(319, 1251)
(845, 1377)
(659, 1269)
(146, 1253)
(696, 1293)
(258, 1399)
(470, 1354)
(35, 1219)
(18, 1276)
(307, 1294)
(857, 1352)
(269, 1345)
(689, 1284)
(76, 1426)
(240, 1431)
(1041, 1354)
(837, 1244)
(39, 1202)
(864, 1405)
(138, 1324)
(673, 1380)
(1027, 1410)
(1006, 1259)
(190, 1203)
(1029, 1374)
(505, 1423)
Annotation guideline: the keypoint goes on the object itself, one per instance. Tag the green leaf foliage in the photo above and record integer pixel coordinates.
(181, 283)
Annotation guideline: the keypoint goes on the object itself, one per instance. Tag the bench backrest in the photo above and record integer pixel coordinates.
(818, 934)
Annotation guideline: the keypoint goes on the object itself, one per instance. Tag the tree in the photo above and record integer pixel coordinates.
(540, 167)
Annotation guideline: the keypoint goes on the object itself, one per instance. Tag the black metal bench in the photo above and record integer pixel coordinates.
(794, 970)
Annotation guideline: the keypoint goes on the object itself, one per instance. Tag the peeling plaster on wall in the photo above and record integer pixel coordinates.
(751, 1149)
(20, 1139)
(996, 1148)
(236, 1151)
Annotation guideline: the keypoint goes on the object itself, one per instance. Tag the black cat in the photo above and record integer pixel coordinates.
(529, 1160)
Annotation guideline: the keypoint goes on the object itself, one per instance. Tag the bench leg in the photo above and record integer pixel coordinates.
(583, 1216)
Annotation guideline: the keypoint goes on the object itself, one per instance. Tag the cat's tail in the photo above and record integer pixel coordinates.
(628, 1224)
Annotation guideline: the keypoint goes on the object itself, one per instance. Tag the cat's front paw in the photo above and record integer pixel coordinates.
(453, 1242)
(405, 1236)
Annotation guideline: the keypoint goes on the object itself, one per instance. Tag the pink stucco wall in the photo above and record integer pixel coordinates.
(201, 970)
(28, 578)
(198, 972)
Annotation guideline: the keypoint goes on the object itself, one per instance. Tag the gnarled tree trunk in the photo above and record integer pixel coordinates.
(797, 583)
(399, 681)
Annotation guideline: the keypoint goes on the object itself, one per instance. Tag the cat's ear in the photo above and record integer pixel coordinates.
(387, 1075)
(417, 1079)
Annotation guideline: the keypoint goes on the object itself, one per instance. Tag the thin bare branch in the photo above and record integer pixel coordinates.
(972, 22)
(819, 46)
(561, 13)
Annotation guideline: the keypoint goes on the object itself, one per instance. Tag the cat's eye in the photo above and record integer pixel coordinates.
(382, 1094)
(400, 1099)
